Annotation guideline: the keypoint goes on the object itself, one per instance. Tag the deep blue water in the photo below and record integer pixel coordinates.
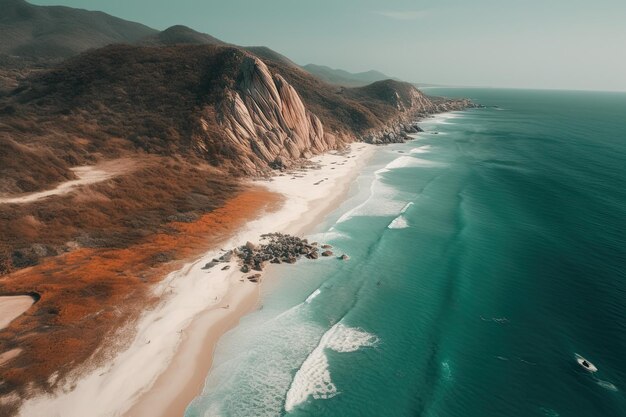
(484, 258)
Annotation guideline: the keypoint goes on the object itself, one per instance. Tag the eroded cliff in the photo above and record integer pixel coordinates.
(265, 122)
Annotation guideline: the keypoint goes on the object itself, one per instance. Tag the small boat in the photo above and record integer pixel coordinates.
(588, 366)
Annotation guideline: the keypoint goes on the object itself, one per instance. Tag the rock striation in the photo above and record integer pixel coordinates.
(265, 118)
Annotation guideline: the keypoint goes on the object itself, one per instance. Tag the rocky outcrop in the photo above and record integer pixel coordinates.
(412, 105)
(265, 119)
(278, 248)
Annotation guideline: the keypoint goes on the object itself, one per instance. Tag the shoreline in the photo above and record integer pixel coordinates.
(173, 343)
(160, 400)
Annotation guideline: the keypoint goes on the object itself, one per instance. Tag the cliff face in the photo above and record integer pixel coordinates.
(407, 105)
(265, 121)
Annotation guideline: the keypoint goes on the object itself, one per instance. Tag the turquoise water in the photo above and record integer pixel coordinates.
(484, 258)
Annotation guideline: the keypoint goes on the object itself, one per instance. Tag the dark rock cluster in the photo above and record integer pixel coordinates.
(280, 248)
(216, 261)
(398, 133)
(277, 248)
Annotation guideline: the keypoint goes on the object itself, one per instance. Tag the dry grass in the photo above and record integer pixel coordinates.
(114, 213)
(88, 293)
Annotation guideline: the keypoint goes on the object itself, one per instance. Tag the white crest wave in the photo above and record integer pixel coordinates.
(313, 378)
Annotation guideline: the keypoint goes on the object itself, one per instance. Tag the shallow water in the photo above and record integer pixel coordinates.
(483, 259)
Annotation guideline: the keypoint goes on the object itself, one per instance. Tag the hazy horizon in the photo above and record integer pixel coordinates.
(561, 45)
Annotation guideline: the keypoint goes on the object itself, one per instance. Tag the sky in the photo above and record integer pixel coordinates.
(554, 44)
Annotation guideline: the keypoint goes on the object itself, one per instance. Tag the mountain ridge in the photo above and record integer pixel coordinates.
(180, 34)
(167, 113)
(59, 32)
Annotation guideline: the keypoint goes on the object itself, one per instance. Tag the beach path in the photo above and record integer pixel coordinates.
(86, 175)
(12, 307)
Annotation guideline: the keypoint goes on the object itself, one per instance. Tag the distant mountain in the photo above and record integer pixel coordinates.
(33, 31)
(345, 78)
(180, 34)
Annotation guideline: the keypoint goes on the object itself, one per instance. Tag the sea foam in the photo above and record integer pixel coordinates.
(383, 197)
(312, 296)
(313, 378)
(421, 149)
(406, 207)
(606, 385)
(399, 222)
(443, 118)
(408, 162)
(254, 374)
(381, 202)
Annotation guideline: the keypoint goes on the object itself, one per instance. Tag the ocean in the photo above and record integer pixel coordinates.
(485, 255)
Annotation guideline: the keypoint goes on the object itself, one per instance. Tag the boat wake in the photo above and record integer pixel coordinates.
(606, 385)
(499, 320)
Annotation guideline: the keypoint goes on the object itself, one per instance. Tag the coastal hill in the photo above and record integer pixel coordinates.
(217, 103)
(33, 31)
(35, 37)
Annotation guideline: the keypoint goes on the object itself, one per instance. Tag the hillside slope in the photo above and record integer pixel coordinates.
(33, 31)
(217, 103)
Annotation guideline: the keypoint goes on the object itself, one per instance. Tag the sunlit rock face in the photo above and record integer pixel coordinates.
(265, 120)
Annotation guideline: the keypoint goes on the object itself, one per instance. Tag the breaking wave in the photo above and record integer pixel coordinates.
(383, 197)
(399, 222)
(312, 296)
(313, 378)
(408, 162)
(421, 149)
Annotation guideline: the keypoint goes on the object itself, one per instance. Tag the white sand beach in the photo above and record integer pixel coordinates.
(164, 367)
